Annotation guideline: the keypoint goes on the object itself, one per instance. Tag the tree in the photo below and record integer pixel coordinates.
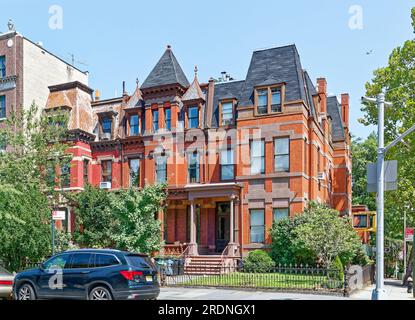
(327, 235)
(95, 220)
(363, 152)
(125, 219)
(139, 230)
(284, 248)
(398, 80)
(26, 200)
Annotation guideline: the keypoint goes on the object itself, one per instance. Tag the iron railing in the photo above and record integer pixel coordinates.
(282, 277)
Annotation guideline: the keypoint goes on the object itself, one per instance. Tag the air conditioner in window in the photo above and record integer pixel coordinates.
(105, 185)
(321, 176)
(106, 136)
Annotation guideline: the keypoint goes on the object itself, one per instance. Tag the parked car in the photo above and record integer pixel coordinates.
(90, 274)
(6, 283)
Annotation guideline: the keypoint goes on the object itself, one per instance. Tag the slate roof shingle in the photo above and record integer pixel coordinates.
(166, 71)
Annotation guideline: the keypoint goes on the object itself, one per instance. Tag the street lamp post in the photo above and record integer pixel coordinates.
(379, 293)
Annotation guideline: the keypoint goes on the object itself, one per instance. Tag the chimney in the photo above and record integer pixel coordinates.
(209, 107)
(97, 95)
(123, 89)
(345, 100)
(322, 93)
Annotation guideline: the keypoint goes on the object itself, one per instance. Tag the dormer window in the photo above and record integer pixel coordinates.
(106, 128)
(193, 117)
(268, 100)
(134, 125)
(226, 113)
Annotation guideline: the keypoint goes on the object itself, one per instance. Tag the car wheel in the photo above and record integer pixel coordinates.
(100, 293)
(26, 292)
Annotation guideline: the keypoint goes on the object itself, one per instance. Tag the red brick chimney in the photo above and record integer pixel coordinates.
(322, 93)
(345, 109)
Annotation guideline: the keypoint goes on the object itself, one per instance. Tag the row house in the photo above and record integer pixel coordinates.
(236, 155)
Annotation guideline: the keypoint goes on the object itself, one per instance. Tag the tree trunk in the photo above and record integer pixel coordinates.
(409, 268)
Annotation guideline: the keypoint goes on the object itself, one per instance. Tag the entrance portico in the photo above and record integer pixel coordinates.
(204, 219)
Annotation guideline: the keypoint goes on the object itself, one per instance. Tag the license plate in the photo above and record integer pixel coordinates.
(149, 278)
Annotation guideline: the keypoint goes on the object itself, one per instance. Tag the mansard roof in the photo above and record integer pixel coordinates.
(277, 65)
(333, 109)
(167, 71)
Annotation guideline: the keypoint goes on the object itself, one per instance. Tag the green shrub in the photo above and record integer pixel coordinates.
(258, 261)
(336, 270)
(284, 247)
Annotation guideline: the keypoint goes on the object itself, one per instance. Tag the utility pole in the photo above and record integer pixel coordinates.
(379, 293)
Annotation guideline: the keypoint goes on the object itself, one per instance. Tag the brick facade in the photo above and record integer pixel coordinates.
(305, 129)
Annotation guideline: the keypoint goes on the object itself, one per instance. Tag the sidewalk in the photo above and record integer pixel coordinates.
(394, 289)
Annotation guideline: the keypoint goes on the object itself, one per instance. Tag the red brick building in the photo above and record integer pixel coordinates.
(236, 155)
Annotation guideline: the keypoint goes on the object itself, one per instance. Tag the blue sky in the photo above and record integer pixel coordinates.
(122, 40)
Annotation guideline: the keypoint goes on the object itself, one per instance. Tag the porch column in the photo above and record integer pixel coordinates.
(193, 245)
(232, 245)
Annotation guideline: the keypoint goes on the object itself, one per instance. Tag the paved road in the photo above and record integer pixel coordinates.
(224, 294)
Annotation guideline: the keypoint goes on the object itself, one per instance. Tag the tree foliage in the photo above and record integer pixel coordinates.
(26, 200)
(125, 219)
(397, 79)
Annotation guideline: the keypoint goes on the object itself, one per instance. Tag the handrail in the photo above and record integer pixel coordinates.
(184, 253)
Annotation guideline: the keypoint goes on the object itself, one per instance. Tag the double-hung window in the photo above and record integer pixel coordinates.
(262, 101)
(2, 67)
(134, 125)
(227, 164)
(107, 127)
(257, 157)
(257, 226)
(155, 120)
(280, 214)
(134, 172)
(167, 119)
(227, 113)
(193, 117)
(2, 107)
(276, 99)
(282, 154)
(161, 169)
(193, 167)
(106, 171)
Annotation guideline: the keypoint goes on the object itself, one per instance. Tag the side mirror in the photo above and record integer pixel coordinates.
(41, 266)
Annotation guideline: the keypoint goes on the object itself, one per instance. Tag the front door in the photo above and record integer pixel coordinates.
(223, 211)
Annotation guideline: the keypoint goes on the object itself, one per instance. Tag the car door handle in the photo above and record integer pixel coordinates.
(85, 272)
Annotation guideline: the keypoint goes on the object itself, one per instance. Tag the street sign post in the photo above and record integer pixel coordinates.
(57, 215)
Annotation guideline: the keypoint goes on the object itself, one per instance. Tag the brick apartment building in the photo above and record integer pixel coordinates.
(236, 155)
(26, 72)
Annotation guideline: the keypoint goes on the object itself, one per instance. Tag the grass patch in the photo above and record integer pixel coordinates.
(263, 280)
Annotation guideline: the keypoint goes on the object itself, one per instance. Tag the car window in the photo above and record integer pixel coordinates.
(58, 262)
(105, 260)
(140, 261)
(81, 260)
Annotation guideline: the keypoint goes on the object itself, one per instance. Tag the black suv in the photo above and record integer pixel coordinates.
(90, 274)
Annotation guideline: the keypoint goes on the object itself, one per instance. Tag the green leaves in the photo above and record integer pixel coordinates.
(318, 235)
(125, 219)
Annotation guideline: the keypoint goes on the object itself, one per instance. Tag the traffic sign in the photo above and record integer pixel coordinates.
(409, 234)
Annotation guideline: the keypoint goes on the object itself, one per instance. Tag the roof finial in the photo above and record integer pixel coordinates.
(168, 47)
(196, 70)
(138, 82)
(10, 25)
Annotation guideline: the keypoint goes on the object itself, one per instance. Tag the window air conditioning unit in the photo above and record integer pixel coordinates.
(106, 136)
(105, 185)
(321, 176)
